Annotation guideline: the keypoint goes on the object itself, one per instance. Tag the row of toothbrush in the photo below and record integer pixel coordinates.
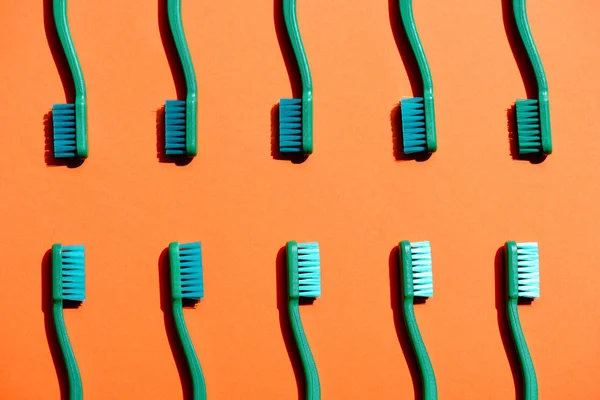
(303, 287)
(296, 114)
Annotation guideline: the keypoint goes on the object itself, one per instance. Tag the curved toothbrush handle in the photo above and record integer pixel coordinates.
(530, 387)
(311, 376)
(176, 25)
(73, 376)
(59, 8)
(520, 12)
(408, 20)
(291, 23)
(198, 384)
(423, 361)
(64, 34)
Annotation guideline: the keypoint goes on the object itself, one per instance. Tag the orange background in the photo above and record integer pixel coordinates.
(351, 195)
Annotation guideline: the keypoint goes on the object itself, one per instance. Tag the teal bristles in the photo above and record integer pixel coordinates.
(192, 282)
(529, 133)
(309, 270)
(414, 138)
(69, 273)
(421, 269)
(175, 128)
(290, 126)
(63, 123)
(528, 267)
(186, 271)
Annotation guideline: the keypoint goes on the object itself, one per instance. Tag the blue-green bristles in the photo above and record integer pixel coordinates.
(190, 269)
(73, 273)
(421, 269)
(309, 270)
(175, 127)
(63, 125)
(529, 134)
(413, 125)
(528, 270)
(290, 126)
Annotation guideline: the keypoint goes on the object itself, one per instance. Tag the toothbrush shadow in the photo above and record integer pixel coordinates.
(507, 341)
(527, 75)
(397, 138)
(295, 82)
(169, 321)
(55, 351)
(396, 303)
(179, 80)
(284, 321)
(60, 60)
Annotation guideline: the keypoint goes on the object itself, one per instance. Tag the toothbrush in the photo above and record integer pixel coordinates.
(417, 281)
(523, 281)
(180, 115)
(296, 115)
(69, 121)
(533, 115)
(304, 283)
(418, 113)
(187, 285)
(68, 284)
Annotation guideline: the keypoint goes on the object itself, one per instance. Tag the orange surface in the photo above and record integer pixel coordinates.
(351, 195)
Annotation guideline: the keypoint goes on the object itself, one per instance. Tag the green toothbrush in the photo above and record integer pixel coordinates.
(418, 113)
(181, 115)
(69, 121)
(523, 281)
(187, 284)
(68, 284)
(304, 282)
(417, 281)
(296, 115)
(533, 115)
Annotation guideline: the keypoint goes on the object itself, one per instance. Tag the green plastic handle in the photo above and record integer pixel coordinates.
(408, 20)
(73, 376)
(311, 376)
(191, 105)
(198, 383)
(530, 386)
(64, 35)
(291, 23)
(520, 12)
(429, 385)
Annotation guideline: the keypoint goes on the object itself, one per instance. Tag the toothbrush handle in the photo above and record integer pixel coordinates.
(311, 376)
(291, 23)
(198, 384)
(530, 387)
(64, 34)
(520, 12)
(176, 25)
(423, 361)
(73, 376)
(408, 20)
